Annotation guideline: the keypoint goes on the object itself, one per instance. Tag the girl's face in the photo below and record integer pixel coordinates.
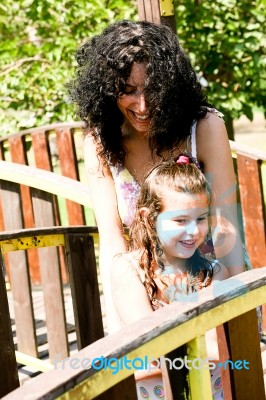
(132, 103)
(182, 225)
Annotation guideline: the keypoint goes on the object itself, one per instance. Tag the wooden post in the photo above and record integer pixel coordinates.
(42, 154)
(157, 11)
(19, 155)
(244, 344)
(253, 208)
(19, 272)
(84, 288)
(69, 168)
(51, 278)
(8, 366)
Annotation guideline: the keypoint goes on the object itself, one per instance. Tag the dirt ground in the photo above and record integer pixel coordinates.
(251, 133)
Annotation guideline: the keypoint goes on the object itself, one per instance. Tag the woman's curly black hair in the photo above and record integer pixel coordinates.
(172, 91)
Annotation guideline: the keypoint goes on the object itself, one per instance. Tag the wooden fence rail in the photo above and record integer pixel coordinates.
(163, 332)
(81, 263)
(11, 174)
(58, 148)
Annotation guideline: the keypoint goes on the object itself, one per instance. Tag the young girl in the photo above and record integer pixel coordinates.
(165, 263)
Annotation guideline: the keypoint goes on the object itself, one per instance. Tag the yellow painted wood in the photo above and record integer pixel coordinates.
(30, 242)
(166, 7)
(34, 362)
(168, 341)
(199, 375)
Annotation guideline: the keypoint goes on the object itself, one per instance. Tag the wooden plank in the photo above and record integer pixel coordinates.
(124, 390)
(18, 155)
(178, 379)
(156, 334)
(81, 262)
(253, 208)
(42, 155)
(47, 181)
(69, 168)
(157, 11)
(248, 151)
(141, 10)
(199, 378)
(41, 150)
(148, 11)
(245, 381)
(223, 357)
(51, 230)
(8, 367)
(19, 272)
(51, 278)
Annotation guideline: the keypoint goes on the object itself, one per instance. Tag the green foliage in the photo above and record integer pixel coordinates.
(225, 40)
(38, 41)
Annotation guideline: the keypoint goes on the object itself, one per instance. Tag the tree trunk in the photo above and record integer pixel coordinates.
(230, 128)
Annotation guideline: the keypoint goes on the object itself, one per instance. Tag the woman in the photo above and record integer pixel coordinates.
(142, 103)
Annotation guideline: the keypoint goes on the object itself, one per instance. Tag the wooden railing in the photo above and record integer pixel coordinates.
(162, 333)
(40, 190)
(77, 262)
(58, 148)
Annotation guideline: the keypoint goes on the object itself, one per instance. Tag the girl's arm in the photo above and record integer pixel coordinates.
(129, 294)
(104, 202)
(215, 154)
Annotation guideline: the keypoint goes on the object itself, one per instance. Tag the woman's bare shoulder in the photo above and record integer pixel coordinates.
(219, 271)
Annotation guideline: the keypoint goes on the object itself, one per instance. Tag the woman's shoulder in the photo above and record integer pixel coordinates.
(212, 120)
(126, 262)
(214, 111)
(219, 270)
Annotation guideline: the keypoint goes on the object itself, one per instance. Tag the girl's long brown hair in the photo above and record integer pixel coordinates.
(186, 178)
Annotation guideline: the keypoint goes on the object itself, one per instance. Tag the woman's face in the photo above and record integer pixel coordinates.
(132, 103)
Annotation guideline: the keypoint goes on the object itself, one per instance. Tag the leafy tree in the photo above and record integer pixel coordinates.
(38, 41)
(225, 40)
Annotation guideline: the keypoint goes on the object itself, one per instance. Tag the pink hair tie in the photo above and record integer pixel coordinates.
(183, 160)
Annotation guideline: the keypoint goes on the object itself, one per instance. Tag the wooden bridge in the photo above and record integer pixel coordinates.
(49, 246)
(37, 226)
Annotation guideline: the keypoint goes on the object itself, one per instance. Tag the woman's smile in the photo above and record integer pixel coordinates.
(132, 102)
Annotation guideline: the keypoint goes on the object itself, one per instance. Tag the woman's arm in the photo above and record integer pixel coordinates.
(132, 303)
(220, 272)
(129, 294)
(104, 202)
(215, 154)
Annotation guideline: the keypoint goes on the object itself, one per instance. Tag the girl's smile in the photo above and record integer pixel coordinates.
(132, 103)
(181, 231)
